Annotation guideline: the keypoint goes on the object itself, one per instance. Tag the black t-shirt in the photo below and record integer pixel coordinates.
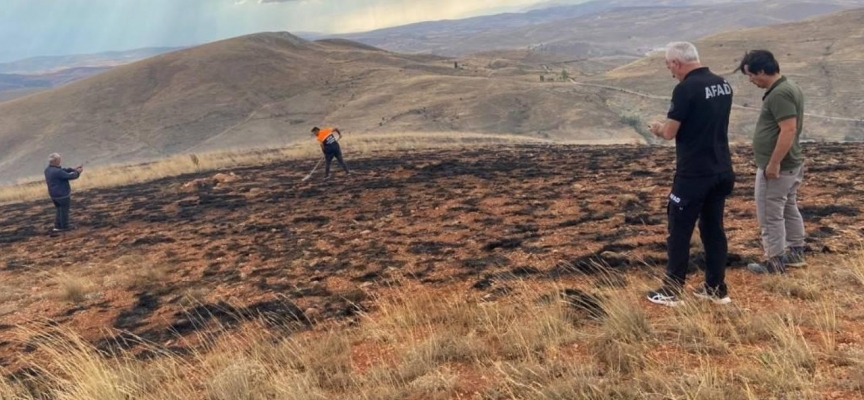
(702, 103)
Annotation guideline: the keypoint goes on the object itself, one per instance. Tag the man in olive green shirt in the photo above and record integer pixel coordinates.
(779, 162)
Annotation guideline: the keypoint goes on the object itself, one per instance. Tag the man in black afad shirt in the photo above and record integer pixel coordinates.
(698, 120)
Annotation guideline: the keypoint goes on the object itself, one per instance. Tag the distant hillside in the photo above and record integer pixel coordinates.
(599, 28)
(36, 74)
(51, 64)
(16, 85)
(824, 55)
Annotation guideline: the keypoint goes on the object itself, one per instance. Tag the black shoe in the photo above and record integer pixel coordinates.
(66, 229)
(795, 258)
(718, 295)
(773, 266)
(666, 296)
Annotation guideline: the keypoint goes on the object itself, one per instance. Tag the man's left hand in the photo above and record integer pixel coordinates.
(772, 171)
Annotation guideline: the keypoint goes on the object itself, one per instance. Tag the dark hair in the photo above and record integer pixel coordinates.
(315, 129)
(757, 61)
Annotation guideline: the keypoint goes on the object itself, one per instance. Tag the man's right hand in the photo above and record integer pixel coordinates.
(79, 168)
(655, 128)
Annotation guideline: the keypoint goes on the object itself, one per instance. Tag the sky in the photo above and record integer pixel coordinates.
(53, 27)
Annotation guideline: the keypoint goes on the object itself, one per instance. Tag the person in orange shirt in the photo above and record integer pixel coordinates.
(330, 146)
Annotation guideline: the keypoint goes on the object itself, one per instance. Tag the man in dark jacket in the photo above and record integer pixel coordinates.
(59, 189)
(698, 121)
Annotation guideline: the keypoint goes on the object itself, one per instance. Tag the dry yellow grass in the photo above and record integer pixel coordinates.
(533, 344)
(71, 288)
(353, 146)
(856, 268)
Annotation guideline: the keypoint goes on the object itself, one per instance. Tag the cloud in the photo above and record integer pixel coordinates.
(238, 2)
(46, 27)
(375, 14)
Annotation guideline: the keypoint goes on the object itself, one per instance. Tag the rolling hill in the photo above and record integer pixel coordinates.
(270, 88)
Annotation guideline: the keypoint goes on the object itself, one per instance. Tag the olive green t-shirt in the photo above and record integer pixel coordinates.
(782, 101)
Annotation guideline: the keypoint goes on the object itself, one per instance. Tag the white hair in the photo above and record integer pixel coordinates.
(52, 159)
(684, 52)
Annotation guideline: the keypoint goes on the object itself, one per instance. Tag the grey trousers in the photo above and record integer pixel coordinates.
(777, 210)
